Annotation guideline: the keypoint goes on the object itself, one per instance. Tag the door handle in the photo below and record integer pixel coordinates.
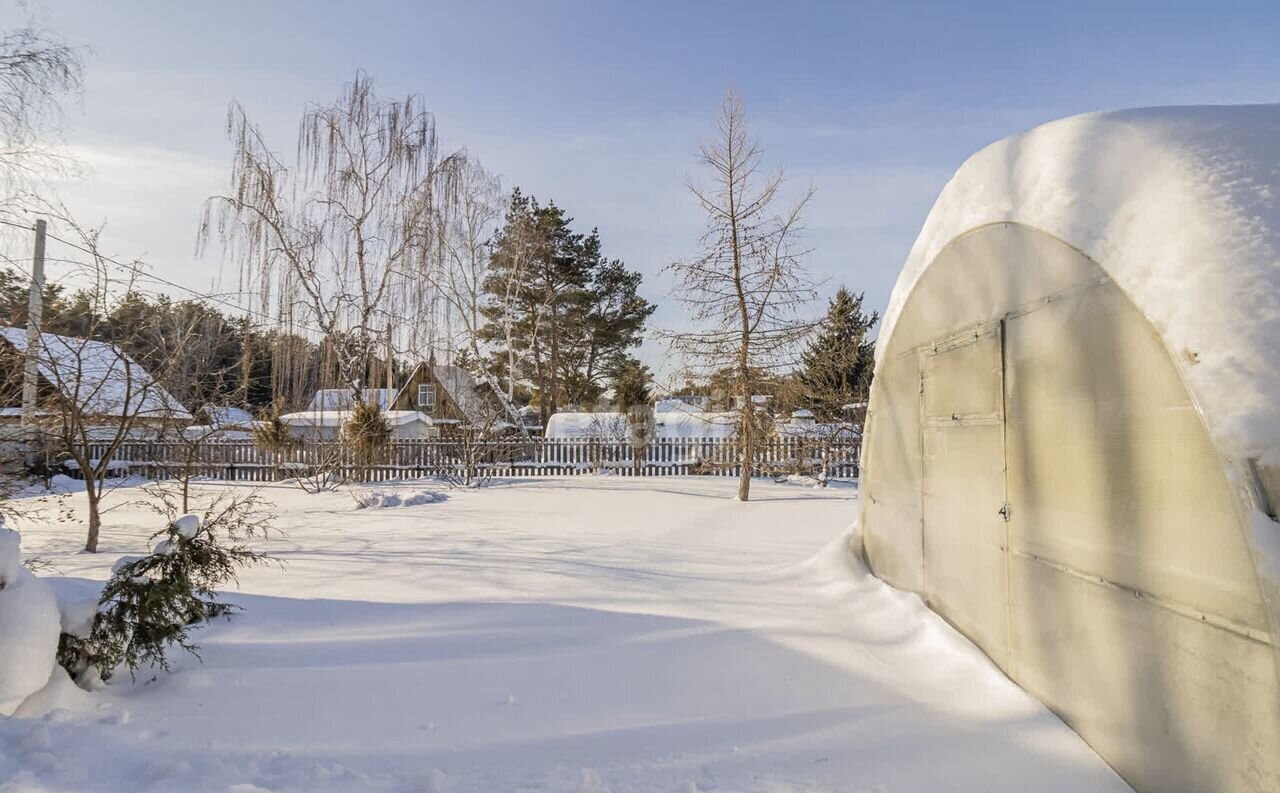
(1005, 512)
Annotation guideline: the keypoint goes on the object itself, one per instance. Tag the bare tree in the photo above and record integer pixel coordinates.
(746, 287)
(338, 241)
(36, 71)
(489, 434)
(96, 397)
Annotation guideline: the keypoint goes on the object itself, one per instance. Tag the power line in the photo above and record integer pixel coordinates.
(132, 288)
(140, 272)
(268, 321)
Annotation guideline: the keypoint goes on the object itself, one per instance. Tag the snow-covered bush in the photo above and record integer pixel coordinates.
(29, 627)
(151, 602)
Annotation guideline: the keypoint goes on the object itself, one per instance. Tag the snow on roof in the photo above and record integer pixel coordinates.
(344, 399)
(1179, 206)
(587, 425)
(228, 432)
(710, 424)
(99, 377)
(227, 416)
(674, 424)
(337, 418)
(16, 411)
(462, 389)
(810, 429)
(684, 404)
(475, 397)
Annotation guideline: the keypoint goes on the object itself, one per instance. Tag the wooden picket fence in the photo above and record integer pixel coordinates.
(243, 461)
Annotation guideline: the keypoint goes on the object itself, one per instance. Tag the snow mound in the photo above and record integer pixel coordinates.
(29, 628)
(10, 553)
(1178, 205)
(382, 500)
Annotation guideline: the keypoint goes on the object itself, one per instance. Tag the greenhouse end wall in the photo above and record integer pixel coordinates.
(1036, 469)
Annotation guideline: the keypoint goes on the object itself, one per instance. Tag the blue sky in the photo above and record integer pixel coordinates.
(600, 105)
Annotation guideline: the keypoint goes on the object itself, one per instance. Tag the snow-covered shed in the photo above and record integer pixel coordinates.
(1073, 440)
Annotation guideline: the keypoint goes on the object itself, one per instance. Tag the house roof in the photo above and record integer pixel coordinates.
(227, 417)
(99, 377)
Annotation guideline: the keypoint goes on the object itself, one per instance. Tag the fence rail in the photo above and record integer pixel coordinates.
(244, 461)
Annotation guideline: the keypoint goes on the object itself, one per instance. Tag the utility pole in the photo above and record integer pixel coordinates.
(35, 310)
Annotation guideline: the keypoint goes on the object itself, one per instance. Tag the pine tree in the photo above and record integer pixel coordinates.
(559, 312)
(605, 322)
(837, 366)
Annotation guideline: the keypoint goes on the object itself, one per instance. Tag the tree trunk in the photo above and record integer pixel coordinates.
(95, 519)
(555, 360)
(748, 444)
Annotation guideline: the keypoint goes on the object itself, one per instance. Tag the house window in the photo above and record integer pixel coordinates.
(426, 395)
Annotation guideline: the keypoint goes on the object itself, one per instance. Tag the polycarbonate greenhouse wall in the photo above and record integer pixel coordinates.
(1037, 470)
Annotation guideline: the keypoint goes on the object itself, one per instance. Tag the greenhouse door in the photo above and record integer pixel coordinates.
(965, 516)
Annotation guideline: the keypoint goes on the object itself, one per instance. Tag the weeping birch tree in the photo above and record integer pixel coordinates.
(745, 289)
(341, 241)
(37, 70)
(465, 232)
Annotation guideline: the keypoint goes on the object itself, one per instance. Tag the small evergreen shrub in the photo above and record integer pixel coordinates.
(152, 602)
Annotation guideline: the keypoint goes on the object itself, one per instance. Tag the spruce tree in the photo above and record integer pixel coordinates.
(837, 366)
(151, 603)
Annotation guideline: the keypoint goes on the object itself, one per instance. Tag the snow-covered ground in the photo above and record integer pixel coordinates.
(581, 635)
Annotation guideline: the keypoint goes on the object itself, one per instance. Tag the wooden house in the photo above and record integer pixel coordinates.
(454, 399)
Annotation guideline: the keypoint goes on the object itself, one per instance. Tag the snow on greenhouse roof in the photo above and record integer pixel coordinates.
(339, 418)
(1179, 206)
(586, 425)
(327, 399)
(707, 424)
(674, 424)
